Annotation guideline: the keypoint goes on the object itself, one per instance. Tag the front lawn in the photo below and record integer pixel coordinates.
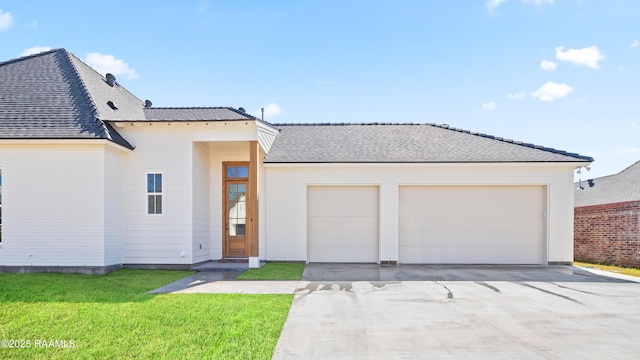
(112, 317)
(611, 268)
(275, 271)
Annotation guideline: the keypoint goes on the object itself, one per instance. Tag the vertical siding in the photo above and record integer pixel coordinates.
(286, 186)
(53, 205)
(114, 206)
(201, 217)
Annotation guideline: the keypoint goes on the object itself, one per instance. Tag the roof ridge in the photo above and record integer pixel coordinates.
(26, 57)
(447, 127)
(619, 172)
(83, 86)
(187, 107)
(240, 112)
(95, 71)
(520, 143)
(104, 128)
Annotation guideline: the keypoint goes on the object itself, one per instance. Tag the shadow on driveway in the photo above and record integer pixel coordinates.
(516, 273)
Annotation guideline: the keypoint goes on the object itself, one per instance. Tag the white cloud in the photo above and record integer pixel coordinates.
(109, 64)
(548, 65)
(589, 56)
(551, 91)
(35, 50)
(629, 151)
(6, 20)
(489, 106)
(538, 2)
(634, 44)
(493, 4)
(621, 68)
(271, 110)
(633, 124)
(326, 82)
(517, 96)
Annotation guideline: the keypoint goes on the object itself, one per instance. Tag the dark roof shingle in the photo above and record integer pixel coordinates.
(621, 187)
(401, 143)
(195, 114)
(44, 96)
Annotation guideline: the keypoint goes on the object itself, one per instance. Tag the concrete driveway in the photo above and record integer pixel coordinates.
(435, 312)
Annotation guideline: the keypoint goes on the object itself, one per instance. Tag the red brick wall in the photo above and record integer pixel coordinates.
(608, 234)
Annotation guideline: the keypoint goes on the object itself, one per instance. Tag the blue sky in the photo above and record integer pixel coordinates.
(559, 73)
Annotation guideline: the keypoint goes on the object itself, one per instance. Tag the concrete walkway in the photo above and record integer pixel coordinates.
(447, 312)
(338, 276)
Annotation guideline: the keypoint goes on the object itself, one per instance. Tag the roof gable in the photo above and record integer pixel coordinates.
(44, 97)
(621, 187)
(402, 143)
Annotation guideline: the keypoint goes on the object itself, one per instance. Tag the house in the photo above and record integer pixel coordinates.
(95, 179)
(607, 219)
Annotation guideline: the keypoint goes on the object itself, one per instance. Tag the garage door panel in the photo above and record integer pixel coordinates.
(323, 253)
(339, 224)
(341, 194)
(469, 239)
(488, 224)
(341, 239)
(457, 255)
(470, 209)
(342, 224)
(344, 209)
(471, 224)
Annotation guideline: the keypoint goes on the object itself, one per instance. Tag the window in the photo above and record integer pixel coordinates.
(237, 172)
(154, 193)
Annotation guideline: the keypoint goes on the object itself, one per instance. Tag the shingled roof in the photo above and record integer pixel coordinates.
(621, 187)
(54, 95)
(402, 143)
(195, 114)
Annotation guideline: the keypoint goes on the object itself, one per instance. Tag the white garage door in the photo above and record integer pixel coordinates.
(472, 224)
(342, 224)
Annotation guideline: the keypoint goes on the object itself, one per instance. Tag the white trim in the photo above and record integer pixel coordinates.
(254, 262)
(147, 193)
(427, 164)
(32, 142)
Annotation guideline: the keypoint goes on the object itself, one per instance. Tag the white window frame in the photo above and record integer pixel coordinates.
(155, 194)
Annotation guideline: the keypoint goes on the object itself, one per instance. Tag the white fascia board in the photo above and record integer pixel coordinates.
(433, 164)
(27, 141)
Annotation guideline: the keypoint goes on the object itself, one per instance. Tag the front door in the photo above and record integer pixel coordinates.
(236, 179)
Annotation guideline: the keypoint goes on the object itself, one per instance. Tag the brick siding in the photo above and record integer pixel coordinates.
(608, 234)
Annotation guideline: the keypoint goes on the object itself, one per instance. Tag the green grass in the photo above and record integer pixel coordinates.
(112, 317)
(275, 271)
(611, 268)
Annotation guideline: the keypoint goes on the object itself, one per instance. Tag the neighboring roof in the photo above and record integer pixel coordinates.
(402, 143)
(195, 114)
(621, 187)
(54, 95)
